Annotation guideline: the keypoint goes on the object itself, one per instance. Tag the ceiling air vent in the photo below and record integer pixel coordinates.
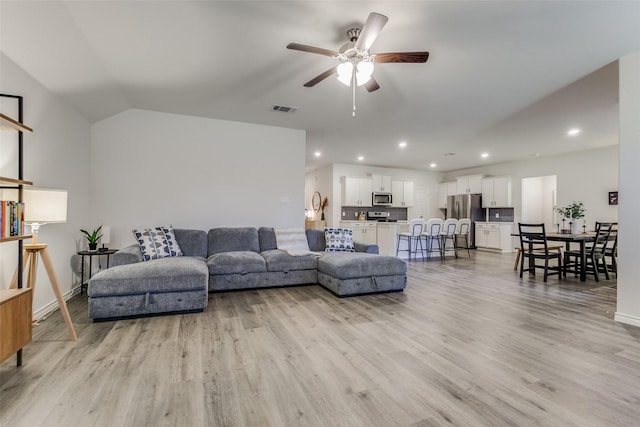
(284, 109)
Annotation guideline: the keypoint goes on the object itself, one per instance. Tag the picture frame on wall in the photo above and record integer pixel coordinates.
(613, 197)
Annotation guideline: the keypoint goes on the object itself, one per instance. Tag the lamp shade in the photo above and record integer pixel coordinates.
(106, 235)
(44, 205)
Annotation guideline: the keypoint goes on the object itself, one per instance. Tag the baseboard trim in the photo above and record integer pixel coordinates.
(629, 320)
(45, 311)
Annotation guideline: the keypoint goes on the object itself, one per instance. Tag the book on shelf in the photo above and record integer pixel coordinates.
(11, 218)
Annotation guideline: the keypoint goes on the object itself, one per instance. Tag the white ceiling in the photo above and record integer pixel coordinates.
(505, 77)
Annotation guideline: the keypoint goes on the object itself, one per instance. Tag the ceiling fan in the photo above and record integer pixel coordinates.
(356, 62)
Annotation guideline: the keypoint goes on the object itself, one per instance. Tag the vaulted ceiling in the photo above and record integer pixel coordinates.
(504, 77)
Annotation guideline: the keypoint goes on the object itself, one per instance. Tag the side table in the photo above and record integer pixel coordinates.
(91, 254)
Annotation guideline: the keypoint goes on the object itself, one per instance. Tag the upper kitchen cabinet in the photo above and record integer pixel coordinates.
(357, 191)
(470, 184)
(496, 192)
(382, 183)
(446, 189)
(402, 193)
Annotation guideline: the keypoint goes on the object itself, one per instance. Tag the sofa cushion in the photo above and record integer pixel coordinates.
(156, 243)
(267, 237)
(339, 240)
(316, 240)
(278, 260)
(233, 239)
(159, 275)
(236, 262)
(192, 242)
(347, 265)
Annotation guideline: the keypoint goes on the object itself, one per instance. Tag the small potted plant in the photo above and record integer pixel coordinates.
(573, 212)
(93, 237)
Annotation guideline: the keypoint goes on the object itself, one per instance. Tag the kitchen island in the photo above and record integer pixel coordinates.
(382, 233)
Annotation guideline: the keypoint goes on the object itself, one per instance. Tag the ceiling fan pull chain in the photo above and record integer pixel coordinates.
(353, 86)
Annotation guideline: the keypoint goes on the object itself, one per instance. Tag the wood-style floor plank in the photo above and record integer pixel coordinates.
(468, 343)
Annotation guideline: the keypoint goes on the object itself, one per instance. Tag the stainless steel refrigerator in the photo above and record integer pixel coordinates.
(467, 206)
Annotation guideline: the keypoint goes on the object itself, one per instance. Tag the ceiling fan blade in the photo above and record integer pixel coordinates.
(411, 57)
(372, 85)
(312, 49)
(314, 81)
(370, 31)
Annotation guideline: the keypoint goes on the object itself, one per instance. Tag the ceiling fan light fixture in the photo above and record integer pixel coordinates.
(345, 73)
(364, 69)
(360, 79)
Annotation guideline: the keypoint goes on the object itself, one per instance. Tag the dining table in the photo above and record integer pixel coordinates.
(581, 239)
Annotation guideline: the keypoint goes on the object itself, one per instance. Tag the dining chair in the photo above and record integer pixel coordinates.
(413, 238)
(431, 235)
(462, 232)
(611, 251)
(449, 233)
(594, 257)
(533, 247)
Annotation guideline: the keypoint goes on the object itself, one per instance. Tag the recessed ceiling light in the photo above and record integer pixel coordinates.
(360, 158)
(317, 154)
(433, 165)
(402, 144)
(573, 132)
(484, 155)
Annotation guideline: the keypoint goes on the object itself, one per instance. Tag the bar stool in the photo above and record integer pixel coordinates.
(449, 233)
(431, 234)
(462, 232)
(413, 238)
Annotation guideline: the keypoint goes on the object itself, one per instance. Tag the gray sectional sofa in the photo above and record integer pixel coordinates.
(230, 259)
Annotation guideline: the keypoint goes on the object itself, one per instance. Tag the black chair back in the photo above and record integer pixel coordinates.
(603, 231)
(532, 235)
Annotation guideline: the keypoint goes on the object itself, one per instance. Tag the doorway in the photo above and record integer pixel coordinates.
(539, 201)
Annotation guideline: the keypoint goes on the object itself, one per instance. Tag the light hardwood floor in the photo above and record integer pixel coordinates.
(467, 344)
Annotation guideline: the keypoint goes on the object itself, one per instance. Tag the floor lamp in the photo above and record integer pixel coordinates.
(43, 206)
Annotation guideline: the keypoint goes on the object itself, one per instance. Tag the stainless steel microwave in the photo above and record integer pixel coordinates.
(381, 199)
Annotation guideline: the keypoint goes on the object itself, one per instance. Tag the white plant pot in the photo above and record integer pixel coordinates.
(574, 227)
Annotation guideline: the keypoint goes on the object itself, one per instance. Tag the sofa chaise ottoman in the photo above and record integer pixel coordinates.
(132, 288)
(358, 273)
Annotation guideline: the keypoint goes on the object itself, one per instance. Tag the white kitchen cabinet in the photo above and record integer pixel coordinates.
(470, 184)
(402, 193)
(357, 192)
(496, 192)
(363, 231)
(446, 189)
(382, 183)
(494, 236)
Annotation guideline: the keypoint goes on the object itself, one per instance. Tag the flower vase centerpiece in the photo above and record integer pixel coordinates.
(573, 212)
(323, 204)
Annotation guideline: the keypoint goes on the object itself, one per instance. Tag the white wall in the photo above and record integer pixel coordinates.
(56, 155)
(585, 176)
(150, 169)
(321, 180)
(628, 309)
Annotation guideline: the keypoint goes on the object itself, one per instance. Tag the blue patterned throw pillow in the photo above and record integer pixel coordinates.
(159, 242)
(339, 240)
